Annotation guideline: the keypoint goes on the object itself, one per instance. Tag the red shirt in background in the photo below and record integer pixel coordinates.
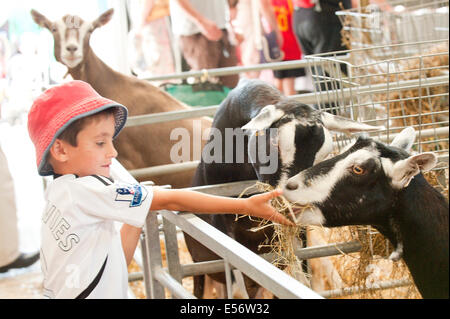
(283, 11)
(303, 3)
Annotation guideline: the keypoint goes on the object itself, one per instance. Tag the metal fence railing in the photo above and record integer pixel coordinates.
(344, 95)
(234, 254)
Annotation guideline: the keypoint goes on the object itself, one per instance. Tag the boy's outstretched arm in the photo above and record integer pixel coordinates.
(183, 200)
(192, 201)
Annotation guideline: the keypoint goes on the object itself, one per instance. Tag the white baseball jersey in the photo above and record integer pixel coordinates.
(81, 253)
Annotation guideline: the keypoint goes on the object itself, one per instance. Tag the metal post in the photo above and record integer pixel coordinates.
(145, 265)
(173, 258)
(228, 279)
(153, 249)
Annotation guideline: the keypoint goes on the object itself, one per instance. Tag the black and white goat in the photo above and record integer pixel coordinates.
(380, 185)
(301, 139)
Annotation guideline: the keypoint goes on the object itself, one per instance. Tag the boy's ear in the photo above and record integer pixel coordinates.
(58, 151)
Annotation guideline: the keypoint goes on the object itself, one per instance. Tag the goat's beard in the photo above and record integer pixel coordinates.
(71, 62)
(309, 215)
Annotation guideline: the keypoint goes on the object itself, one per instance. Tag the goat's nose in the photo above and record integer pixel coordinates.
(72, 48)
(292, 186)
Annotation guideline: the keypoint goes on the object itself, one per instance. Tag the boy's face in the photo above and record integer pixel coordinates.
(94, 150)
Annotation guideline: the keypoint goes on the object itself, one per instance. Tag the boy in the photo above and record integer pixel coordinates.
(72, 128)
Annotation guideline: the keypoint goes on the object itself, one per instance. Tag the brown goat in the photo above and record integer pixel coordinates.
(138, 147)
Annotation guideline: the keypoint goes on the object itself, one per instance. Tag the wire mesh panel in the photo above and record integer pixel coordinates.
(395, 86)
(394, 22)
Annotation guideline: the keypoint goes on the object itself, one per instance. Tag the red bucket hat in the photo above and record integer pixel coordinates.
(55, 109)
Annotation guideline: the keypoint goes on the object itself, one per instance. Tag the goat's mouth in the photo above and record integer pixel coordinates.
(71, 61)
(298, 209)
(308, 215)
(298, 213)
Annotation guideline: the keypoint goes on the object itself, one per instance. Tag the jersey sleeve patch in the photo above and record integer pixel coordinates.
(133, 193)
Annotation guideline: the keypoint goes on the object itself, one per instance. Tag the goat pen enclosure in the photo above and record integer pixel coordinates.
(359, 268)
(397, 86)
(382, 80)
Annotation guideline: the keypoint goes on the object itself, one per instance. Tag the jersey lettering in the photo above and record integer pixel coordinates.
(69, 242)
(59, 227)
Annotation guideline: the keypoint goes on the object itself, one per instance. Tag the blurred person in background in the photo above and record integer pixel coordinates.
(201, 28)
(285, 79)
(10, 256)
(27, 74)
(317, 26)
(151, 41)
(249, 13)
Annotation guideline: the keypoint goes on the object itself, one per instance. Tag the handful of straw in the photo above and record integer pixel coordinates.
(285, 240)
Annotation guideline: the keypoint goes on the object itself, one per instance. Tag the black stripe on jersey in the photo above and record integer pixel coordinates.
(55, 176)
(105, 180)
(93, 284)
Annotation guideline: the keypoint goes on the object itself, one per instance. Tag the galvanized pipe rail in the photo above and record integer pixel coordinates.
(235, 256)
(180, 167)
(240, 257)
(160, 276)
(214, 266)
(157, 278)
(307, 98)
(233, 70)
(389, 284)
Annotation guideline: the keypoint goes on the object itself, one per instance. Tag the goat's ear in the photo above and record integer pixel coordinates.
(342, 124)
(265, 118)
(405, 139)
(103, 19)
(40, 19)
(405, 170)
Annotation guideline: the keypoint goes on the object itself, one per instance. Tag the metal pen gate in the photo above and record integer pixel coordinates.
(370, 89)
(274, 280)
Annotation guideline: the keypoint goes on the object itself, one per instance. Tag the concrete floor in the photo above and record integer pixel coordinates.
(24, 286)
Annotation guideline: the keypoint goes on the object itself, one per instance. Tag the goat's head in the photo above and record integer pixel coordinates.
(299, 136)
(355, 186)
(71, 35)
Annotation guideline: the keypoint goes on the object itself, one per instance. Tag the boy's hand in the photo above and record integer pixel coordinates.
(259, 206)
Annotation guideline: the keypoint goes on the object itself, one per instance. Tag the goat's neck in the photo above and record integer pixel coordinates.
(420, 219)
(95, 72)
(420, 210)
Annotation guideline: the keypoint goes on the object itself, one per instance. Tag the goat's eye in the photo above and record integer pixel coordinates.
(358, 170)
